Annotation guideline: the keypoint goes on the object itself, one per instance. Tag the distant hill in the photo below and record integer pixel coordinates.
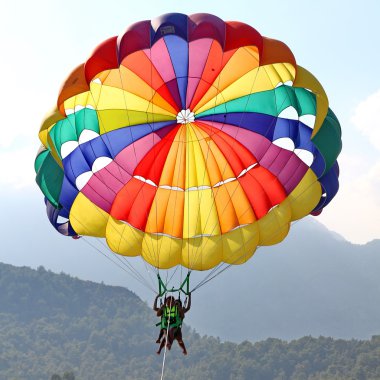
(314, 283)
(53, 324)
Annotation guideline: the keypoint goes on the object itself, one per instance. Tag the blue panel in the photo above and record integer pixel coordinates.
(255, 122)
(319, 164)
(179, 54)
(170, 23)
(330, 184)
(74, 165)
(95, 148)
(286, 128)
(67, 196)
(119, 139)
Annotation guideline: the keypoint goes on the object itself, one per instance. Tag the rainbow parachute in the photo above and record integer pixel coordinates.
(189, 141)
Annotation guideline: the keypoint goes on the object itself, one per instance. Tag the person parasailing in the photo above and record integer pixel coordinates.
(172, 314)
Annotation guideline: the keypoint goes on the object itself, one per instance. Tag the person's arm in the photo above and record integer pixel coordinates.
(188, 303)
(181, 311)
(155, 308)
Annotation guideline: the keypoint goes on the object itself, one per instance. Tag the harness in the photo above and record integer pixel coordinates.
(170, 317)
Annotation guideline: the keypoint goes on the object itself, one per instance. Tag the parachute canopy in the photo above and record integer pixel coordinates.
(188, 140)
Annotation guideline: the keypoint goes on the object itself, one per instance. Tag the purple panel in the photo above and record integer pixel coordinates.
(53, 214)
(292, 173)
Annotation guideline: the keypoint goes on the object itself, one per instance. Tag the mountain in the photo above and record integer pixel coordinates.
(58, 327)
(314, 283)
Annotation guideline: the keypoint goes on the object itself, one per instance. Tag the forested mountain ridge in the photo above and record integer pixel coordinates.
(52, 323)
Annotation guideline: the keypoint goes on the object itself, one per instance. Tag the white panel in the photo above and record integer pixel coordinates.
(68, 147)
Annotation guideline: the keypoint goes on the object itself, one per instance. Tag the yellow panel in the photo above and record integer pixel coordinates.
(200, 214)
(49, 121)
(202, 178)
(202, 253)
(110, 120)
(259, 79)
(161, 251)
(307, 80)
(275, 225)
(87, 218)
(83, 99)
(239, 245)
(123, 238)
(115, 98)
(208, 146)
(305, 196)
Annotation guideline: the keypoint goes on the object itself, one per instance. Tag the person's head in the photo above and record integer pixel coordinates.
(170, 301)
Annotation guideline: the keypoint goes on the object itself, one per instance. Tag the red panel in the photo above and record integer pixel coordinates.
(151, 166)
(133, 202)
(262, 189)
(104, 57)
(237, 155)
(239, 34)
(203, 25)
(136, 37)
(256, 195)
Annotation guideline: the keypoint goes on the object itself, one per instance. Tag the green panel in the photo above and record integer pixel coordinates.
(49, 178)
(329, 139)
(271, 102)
(70, 128)
(40, 159)
(306, 101)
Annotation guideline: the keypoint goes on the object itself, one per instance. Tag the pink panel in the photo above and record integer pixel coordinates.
(160, 57)
(198, 54)
(130, 156)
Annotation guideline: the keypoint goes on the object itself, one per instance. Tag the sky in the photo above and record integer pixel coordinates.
(42, 41)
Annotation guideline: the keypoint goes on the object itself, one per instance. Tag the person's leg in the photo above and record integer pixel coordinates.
(162, 342)
(180, 341)
(172, 331)
(160, 336)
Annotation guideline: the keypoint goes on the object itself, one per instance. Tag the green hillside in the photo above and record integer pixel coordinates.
(51, 324)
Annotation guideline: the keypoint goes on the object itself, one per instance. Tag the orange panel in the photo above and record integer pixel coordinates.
(226, 211)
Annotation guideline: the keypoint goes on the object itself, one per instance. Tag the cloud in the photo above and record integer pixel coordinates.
(366, 118)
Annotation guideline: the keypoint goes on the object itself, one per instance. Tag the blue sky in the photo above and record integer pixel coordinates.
(42, 41)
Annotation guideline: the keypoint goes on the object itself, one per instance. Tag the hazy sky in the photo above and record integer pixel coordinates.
(42, 41)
